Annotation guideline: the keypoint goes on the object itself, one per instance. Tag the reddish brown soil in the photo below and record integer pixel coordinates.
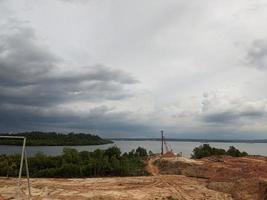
(245, 178)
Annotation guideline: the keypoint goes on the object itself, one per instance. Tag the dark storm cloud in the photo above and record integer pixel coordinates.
(32, 86)
(22, 59)
(100, 119)
(257, 54)
(29, 75)
(229, 117)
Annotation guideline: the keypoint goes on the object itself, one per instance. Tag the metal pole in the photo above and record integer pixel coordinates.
(27, 172)
(21, 163)
(161, 142)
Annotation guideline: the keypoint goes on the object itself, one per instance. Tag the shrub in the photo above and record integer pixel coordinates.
(72, 163)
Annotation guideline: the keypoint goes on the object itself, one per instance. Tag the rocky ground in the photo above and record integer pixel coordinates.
(175, 178)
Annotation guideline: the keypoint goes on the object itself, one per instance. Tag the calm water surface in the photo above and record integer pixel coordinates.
(126, 146)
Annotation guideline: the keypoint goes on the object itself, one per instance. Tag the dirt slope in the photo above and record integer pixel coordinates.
(245, 178)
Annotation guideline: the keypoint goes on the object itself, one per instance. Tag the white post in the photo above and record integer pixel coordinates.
(27, 172)
(23, 156)
(21, 163)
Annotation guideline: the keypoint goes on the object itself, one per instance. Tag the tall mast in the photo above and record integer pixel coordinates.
(162, 142)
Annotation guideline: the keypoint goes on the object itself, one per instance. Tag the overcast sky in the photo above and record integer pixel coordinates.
(121, 68)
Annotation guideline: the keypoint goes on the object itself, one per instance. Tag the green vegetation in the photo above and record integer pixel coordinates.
(71, 163)
(55, 139)
(206, 150)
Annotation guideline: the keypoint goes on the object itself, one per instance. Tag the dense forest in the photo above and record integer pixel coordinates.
(206, 150)
(109, 162)
(55, 139)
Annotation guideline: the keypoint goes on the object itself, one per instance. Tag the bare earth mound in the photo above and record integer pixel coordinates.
(244, 178)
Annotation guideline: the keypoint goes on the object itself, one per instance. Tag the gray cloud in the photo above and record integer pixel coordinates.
(29, 75)
(99, 119)
(32, 86)
(22, 59)
(219, 108)
(232, 117)
(178, 49)
(257, 54)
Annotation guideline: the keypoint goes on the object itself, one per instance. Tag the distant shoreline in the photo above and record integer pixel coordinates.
(190, 140)
(37, 138)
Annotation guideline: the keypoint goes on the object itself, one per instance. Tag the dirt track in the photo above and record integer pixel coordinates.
(146, 188)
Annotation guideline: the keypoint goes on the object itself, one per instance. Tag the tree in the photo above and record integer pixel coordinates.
(205, 150)
(141, 152)
(202, 151)
(70, 155)
(70, 170)
(113, 151)
(232, 151)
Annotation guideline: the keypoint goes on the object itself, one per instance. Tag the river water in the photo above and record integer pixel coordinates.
(126, 146)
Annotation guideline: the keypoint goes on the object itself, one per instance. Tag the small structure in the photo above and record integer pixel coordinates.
(22, 159)
(169, 152)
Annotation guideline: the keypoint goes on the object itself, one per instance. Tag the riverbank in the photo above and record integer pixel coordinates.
(37, 138)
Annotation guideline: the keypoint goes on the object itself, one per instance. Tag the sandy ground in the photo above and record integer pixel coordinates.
(161, 187)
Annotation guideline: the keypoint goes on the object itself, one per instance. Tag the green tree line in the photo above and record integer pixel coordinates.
(206, 150)
(37, 138)
(109, 162)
